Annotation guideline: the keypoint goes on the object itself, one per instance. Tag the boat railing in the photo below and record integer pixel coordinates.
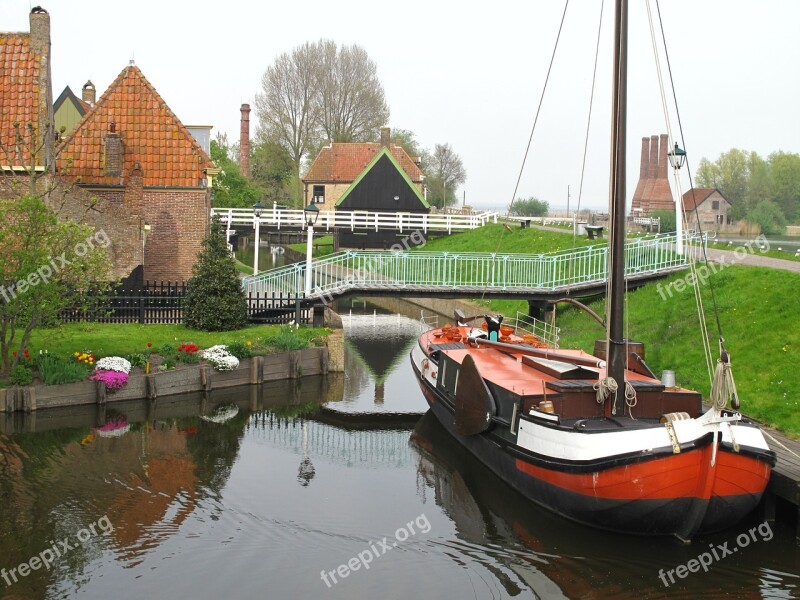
(547, 332)
(428, 321)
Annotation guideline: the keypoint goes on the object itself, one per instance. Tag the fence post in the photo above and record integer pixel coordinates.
(297, 308)
(141, 308)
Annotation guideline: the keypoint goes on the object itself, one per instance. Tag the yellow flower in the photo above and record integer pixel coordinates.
(249, 343)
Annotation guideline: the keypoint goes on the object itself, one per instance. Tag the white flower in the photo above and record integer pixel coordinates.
(220, 357)
(114, 363)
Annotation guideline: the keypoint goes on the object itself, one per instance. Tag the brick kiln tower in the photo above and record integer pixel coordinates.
(653, 191)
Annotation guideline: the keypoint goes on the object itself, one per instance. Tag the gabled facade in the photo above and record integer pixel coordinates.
(131, 150)
(68, 110)
(706, 208)
(339, 165)
(383, 186)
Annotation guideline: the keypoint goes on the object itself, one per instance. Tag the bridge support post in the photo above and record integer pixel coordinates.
(541, 310)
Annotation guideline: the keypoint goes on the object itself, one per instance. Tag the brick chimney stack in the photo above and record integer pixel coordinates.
(114, 152)
(663, 162)
(40, 44)
(653, 191)
(386, 134)
(644, 164)
(89, 93)
(244, 141)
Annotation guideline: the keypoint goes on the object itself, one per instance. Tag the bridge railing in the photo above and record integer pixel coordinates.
(466, 271)
(327, 220)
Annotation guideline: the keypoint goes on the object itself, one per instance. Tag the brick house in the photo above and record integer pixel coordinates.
(133, 152)
(339, 165)
(712, 209)
(26, 99)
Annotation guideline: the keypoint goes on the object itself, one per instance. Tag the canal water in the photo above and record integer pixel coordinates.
(337, 487)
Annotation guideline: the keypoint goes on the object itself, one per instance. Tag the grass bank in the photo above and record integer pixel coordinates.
(122, 339)
(759, 313)
(498, 238)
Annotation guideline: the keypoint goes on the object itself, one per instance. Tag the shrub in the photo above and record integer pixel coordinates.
(240, 350)
(114, 380)
(21, 375)
(214, 299)
(55, 371)
(288, 339)
(220, 358)
(137, 359)
(167, 352)
(187, 353)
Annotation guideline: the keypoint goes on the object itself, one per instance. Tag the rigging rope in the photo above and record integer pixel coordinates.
(691, 184)
(530, 138)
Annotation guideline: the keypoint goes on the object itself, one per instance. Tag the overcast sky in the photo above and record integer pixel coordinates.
(465, 73)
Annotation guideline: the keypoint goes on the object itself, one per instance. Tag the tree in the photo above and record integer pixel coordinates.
(729, 175)
(272, 169)
(769, 216)
(444, 173)
(44, 265)
(406, 139)
(287, 105)
(530, 207)
(215, 300)
(320, 92)
(351, 106)
(231, 188)
(785, 171)
(667, 223)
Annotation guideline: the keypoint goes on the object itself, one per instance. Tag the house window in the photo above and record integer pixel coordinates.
(319, 194)
(715, 205)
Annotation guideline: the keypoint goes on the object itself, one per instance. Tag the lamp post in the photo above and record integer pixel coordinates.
(257, 208)
(676, 158)
(311, 213)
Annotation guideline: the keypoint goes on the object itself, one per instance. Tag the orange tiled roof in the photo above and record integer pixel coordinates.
(151, 135)
(19, 91)
(696, 196)
(344, 162)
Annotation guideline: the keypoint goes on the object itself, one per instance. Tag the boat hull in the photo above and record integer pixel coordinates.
(658, 495)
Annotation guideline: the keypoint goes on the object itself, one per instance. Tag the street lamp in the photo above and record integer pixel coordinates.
(257, 208)
(676, 158)
(310, 213)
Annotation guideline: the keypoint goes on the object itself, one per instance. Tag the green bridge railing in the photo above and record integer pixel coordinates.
(469, 272)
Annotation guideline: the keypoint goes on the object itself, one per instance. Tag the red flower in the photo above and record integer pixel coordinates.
(149, 344)
(14, 353)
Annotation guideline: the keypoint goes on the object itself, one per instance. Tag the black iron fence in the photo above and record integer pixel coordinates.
(162, 303)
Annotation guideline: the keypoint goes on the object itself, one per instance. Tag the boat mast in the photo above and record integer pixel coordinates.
(615, 349)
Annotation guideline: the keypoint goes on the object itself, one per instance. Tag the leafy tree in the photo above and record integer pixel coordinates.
(530, 207)
(44, 265)
(769, 216)
(407, 140)
(444, 173)
(231, 188)
(785, 170)
(272, 169)
(215, 300)
(668, 224)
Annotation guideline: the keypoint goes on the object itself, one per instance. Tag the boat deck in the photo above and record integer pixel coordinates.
(784, 483)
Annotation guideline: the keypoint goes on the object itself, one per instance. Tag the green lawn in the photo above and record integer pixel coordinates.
(498, 238)
(322, 246)
(759, 313)
(115, 339)
(773, 252)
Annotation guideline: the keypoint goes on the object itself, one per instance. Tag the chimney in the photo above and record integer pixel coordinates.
(652, 170)
(663, 172)
(244, 141)
(645, 158)
(114, 152)
(88, 93)
(40, 45)
(386, 134)
(133, 198)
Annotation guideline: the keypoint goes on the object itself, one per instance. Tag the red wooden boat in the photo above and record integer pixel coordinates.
(646, 459)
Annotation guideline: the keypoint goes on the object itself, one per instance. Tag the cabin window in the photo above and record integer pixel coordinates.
(715, 205)
(319, 194)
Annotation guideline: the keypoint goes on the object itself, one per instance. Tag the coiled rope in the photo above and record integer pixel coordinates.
(723, 386)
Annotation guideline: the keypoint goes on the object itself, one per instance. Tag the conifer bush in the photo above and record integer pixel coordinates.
(215, 300)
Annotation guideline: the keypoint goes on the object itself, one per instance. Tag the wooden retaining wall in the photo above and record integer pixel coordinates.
(187, 378)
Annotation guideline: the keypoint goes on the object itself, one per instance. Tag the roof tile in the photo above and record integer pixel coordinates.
(344, 162)
(130, 103)
(19, 66)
